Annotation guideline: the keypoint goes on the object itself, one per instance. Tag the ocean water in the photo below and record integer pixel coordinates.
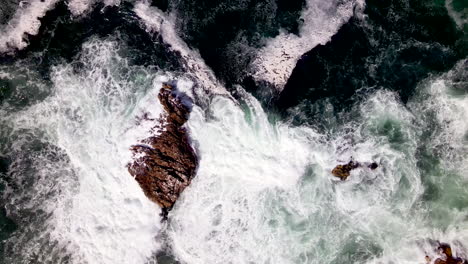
(283, 91)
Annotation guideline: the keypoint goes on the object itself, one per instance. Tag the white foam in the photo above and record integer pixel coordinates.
(439, 115)
(413, 245)
(241, 160)
(264, 192)
(441, 103)
(460, 18)
(24, 21)
(81, 7)
(322, 18)
(158, 22)
(91, 116)
(5, 75)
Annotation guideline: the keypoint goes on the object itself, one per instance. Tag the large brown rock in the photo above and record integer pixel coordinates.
(165, 164)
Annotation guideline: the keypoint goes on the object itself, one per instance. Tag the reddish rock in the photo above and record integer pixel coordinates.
(449, 258)
(165, 164)
(343, 171)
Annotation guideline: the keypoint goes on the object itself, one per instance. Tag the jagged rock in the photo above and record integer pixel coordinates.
(446, 250)
(165, 164)
(344, 170)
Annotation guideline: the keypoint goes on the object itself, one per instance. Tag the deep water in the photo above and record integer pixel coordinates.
(395, 47)
(283, 92)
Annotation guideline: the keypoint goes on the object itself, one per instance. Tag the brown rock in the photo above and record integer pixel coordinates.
(449, 258)
(343, 171)
(165, 164)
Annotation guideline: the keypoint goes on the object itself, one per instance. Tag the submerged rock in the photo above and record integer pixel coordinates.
(343, 171)
(165, 164)
(448, 258)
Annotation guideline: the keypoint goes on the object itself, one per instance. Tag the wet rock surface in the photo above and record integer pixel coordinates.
(344, 170)
(165, 164)
(447, 256)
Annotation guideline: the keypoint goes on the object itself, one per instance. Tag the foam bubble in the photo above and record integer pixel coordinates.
(110, 220)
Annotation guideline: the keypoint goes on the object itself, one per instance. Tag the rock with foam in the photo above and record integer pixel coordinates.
(166, 163)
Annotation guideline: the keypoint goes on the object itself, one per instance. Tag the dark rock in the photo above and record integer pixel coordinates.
(165, 164)
(446, 250)
(373, 166)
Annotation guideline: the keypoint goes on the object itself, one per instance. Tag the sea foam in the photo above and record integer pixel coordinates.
(24, 21)
(157, 22)
(101, 214)
(321, 20)
(264, 192)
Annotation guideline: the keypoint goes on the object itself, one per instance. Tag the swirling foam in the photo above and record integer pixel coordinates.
(264, 192)
(157, 22)
(81, 7)
(321, 20)
(102, 216)
(24, 21)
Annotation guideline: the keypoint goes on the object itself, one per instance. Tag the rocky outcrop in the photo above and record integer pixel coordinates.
(344, 170)
(165, 163)
(448, 258)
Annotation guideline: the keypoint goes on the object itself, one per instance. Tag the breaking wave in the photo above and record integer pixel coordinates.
(263, 192)
(26, 19)
(94, 211)
(24, 22)
(320, 20)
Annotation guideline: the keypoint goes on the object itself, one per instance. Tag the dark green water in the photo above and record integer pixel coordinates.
(390, 85)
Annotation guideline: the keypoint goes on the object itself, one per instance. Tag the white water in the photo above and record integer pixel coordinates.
(157, 22)
(102, 216)
(264, 192)
(460, 18)
(441, 109)
(321, 20)
(444, 101)
(81, 7)
(24, 21)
